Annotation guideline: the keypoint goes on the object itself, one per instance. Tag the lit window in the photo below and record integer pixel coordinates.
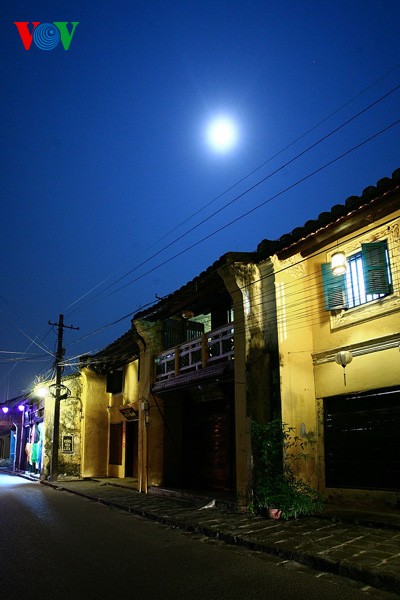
(367, 278)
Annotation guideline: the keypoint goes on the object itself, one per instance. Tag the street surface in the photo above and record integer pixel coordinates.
(56, 545)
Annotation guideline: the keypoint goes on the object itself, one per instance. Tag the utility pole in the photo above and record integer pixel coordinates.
(58, 396)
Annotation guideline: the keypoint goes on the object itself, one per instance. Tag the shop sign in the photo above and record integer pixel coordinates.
(129, 413)
(68, 444)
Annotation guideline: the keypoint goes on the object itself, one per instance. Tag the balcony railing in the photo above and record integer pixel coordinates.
(214, 346)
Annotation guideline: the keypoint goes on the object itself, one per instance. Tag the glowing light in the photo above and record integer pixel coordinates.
(338, 263)
(5, 409)
(222, 134)
(41, 392)
(21, 407)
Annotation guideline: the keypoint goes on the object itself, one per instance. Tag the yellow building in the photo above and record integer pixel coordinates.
(339, 341)
(257, 336)
(205, 372)
(33, 420)
(112, 412)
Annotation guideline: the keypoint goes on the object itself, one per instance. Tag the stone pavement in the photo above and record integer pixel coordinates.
(360, 546)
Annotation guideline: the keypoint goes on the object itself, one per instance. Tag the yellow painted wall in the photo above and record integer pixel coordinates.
(306, 332)
(295, 315)
(253, 338)
(70, 423)
(131, 383)
(368, 372)
(129, 395)
(368, 322)
(95, 425)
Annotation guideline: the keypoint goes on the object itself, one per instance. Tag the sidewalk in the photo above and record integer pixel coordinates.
(361, 546)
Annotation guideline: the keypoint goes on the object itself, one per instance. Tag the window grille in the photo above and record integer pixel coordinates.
(368, 278)
(355, 282)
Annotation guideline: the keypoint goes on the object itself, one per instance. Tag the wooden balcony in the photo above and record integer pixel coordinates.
(194, 359)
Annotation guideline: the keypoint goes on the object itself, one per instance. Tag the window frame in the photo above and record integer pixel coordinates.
(115, 381)
(365, 279)
(344, 317)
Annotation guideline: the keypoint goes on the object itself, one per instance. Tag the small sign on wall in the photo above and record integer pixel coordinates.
(68, 444)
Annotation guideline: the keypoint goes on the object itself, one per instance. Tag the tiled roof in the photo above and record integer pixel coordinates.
(176, 300)
(353, 204)
(115, 355)
(208, 282)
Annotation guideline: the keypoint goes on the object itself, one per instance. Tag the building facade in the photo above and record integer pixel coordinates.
(207, 368)
(306, 329)
(339, 341)
(110, 396)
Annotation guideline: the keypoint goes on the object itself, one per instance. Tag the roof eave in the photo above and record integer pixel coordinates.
(353, 220)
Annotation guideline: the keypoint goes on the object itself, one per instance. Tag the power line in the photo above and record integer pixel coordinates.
(245, 192)
(33, 341)
(258, 206)
(272, 293)
(130, 314)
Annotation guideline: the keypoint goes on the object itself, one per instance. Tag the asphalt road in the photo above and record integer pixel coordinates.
(55, 545)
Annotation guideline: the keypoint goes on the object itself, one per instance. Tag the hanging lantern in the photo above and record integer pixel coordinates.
(343, 358)
(338, 263)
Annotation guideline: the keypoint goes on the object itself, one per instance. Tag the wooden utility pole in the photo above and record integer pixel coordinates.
(58, 396)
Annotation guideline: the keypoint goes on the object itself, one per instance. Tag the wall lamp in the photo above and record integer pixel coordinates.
(338, 263)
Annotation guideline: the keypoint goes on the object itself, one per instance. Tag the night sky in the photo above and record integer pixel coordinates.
(106, 164)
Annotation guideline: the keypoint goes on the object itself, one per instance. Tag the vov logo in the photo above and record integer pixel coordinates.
(46, 36)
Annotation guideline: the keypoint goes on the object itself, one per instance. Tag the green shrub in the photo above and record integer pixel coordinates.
(275, 450)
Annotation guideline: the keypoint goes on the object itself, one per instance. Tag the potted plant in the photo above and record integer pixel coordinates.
(277, 491)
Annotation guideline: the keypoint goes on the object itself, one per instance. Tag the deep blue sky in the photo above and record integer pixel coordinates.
(104, 150)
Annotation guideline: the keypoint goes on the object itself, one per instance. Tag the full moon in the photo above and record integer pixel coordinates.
(222, 134)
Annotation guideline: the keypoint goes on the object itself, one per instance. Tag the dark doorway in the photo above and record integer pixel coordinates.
(361, 440)
(208, 444)
(131, 454)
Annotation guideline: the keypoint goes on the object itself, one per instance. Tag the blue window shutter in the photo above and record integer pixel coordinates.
(375, 268)
(334, 288)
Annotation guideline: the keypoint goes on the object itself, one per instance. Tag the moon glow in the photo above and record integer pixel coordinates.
(222, 134)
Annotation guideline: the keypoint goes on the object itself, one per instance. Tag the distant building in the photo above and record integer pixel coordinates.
(111, 407)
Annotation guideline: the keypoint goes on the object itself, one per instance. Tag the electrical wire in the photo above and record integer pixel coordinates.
(255, 208)
(233, 186)
(33, 341)
(238, 218)
(236, 198)
(269, 296)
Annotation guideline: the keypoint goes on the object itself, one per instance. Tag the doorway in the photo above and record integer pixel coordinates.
(131, 449)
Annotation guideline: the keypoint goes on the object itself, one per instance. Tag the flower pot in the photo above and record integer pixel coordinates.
(274, 513)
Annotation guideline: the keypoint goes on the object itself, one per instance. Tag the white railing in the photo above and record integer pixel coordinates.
(214, 346)
(220, 344)
(190, 355)
(165, 365)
